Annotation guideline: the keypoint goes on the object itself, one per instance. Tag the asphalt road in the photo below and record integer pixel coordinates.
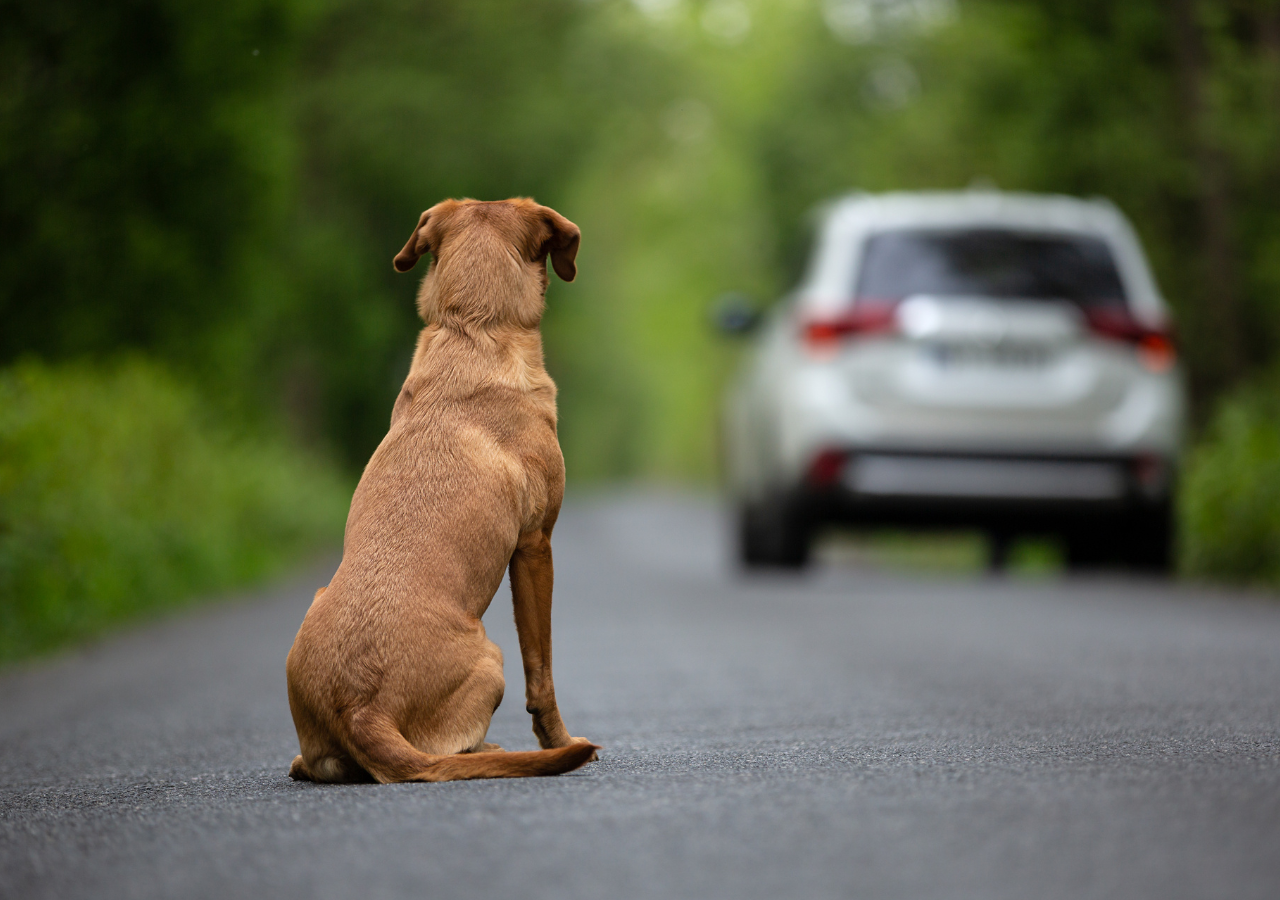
(844, 734)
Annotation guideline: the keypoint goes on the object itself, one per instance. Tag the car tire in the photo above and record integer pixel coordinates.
(773, 534)
(1091, 546)
(1149, 541)
(1140, 541)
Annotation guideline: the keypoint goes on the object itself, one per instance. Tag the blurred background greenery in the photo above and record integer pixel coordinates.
(199, 204)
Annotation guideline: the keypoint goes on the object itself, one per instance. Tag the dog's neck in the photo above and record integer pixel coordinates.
(483, 286)
(461, 359)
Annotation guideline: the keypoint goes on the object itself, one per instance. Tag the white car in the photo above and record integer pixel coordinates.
(972, 359)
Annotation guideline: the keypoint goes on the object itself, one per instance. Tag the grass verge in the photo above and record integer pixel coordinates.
(119, 497)
(1230, 499)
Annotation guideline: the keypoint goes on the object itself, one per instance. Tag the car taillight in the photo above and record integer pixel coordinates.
(1151, 472)
(826, 468)
(864, 317)
(1156, 350)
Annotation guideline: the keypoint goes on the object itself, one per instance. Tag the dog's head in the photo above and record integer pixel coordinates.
(489, 260)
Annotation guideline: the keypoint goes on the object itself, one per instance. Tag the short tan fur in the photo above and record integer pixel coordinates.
(391, 676)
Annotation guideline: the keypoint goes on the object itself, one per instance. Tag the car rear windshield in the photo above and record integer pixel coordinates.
(989, 263)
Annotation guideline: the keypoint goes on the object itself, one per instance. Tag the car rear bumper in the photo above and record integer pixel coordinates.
(885, 475)
(1022, 492)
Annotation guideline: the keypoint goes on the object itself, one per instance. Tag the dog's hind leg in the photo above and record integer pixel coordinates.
(472, 706)
(322, 758)
(328, 769)
(299, 771)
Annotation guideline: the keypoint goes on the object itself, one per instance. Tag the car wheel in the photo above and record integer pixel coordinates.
(1149, 541)
(1092, 545)
(773, 534)
(1141, 541)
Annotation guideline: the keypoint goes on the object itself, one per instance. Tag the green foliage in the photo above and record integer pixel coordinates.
(118, 497)
(223, 185)
(145, 170)
(1231, 491)
(398, 105)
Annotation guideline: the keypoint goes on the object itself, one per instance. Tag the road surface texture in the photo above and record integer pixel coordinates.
(842, 734)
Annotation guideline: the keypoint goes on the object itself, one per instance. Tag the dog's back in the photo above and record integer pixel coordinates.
(391, 674)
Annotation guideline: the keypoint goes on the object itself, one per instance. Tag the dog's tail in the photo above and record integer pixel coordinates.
(385, 754)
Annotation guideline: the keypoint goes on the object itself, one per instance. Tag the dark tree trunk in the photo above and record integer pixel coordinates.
(1219, 310)
(1268, 18)
(1268, 23)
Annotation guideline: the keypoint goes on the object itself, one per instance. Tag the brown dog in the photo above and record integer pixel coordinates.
(391, 677)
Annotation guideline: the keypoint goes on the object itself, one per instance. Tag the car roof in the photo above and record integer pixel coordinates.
(847, 221)
(1052, 212)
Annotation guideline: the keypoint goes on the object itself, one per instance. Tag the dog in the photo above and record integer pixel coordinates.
(391, 677)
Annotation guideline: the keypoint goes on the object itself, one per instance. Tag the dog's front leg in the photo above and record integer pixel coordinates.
(531, 583)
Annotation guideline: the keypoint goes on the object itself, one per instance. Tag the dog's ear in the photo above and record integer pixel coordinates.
(407, 258)
(425, 238)
(562, 245)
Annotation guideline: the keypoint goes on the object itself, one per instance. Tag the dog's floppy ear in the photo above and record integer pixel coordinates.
(407, 258)
(425, 238)
(562, 245)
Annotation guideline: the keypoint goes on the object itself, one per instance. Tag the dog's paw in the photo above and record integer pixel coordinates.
(491, 748)
(594, 754)
(298, 771)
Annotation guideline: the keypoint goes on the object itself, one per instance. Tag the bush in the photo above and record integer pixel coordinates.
(1231, 492)
(117, 497)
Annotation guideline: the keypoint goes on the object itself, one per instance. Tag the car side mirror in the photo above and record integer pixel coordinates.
(735, 314)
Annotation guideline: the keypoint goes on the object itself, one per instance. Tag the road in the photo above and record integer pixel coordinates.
(849, 733)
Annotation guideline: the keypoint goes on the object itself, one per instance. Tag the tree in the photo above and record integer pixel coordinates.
(143, 163)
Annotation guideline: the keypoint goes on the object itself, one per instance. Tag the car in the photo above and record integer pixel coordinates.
(969, 359)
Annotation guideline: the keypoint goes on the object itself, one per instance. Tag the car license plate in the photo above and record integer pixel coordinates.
(940, 476)
(998, 356)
